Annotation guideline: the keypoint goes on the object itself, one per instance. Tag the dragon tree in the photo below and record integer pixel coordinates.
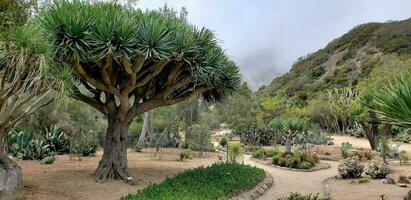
(126, 62)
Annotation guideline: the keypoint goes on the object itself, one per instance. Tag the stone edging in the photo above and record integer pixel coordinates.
(257, 191)
(327, 166)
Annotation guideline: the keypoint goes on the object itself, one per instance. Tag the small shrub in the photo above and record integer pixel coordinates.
(363, 180)
(223, 142)
(282, 161)
(55, 138)
(185, 145)
(184, 155)
(404, 158)
(235, 153)
(259, 153)
(298, 196)
(345, 147)
(403, 179)
(84, 144)
(276, 158)
(408, 196)
(368, 155)
(378, 170)
(296, 159)
(263, 153)
(350, 168)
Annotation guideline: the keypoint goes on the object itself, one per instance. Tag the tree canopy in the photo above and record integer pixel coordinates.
(151, 57)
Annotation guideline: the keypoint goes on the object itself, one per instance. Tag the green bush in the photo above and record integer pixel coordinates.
(184, 155)
(276, 158)
(55, 138)
(264, 153)
(296, 159)
(298, 196)
(404, 158)
(84, 144)
(223, 142)
(350, 168)
(23, 144)
(345, 147)
(214, 182)
(235, 152)
(378, 170)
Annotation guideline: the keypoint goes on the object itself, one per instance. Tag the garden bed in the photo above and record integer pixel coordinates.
(318, 166)
(213, 182)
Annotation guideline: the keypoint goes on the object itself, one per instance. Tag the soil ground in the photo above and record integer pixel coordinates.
(70, 179)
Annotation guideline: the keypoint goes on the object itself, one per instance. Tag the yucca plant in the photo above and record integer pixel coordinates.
(137, 60)
(289, 128)
(393, 101)
(235, 153)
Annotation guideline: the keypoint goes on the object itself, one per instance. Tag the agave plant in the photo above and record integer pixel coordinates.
(393, 102)
(56, 139)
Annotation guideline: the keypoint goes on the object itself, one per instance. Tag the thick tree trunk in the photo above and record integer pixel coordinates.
(369, 135)
(10, 174)
(288, 145)
(113, 164)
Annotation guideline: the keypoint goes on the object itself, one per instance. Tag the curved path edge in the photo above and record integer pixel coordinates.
(257, 191)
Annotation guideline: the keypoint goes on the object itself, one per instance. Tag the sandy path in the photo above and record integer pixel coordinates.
(363, 143)
(286, 181)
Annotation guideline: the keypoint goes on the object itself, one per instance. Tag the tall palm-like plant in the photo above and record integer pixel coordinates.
(126, 62)
(289, 128)
(393, 102)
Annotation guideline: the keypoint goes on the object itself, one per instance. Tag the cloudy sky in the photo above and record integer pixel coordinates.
(265, 37)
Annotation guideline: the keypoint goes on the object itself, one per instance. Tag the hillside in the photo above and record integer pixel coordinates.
(345, 61)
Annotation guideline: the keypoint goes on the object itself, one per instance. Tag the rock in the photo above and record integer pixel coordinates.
(10, 179)
(330, 142)
(48, 160)
(403, 179)
(388, 180)
(402, 185)
(408, 196)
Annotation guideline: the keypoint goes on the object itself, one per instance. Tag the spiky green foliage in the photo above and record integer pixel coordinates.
(289, 124)
(214, 182)
(394, 101)
(91, 34)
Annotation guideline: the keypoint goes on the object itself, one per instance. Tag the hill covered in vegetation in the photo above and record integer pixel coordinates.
(345, 62)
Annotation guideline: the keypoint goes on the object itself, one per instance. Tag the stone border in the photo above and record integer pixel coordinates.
(257, 191)
(326, 166)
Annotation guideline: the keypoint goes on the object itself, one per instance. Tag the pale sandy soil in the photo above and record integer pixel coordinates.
(286, 181)
(312, 182)
(344, 189)
(70, 179)
(363, 143)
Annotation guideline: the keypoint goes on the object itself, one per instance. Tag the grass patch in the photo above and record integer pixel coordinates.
(213, 182)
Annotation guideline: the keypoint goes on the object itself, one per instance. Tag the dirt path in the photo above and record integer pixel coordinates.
(286, 181)
(363, 143)
(70, 179)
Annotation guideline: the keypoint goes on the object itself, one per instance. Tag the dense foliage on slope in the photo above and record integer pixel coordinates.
(213, 182)
(346, 61)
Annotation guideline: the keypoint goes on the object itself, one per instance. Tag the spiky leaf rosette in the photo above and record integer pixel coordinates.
(393, 102)
(151, 58)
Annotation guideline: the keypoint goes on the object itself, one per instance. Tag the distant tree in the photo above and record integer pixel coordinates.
(25, 80)
(131, 62)
(289, 128)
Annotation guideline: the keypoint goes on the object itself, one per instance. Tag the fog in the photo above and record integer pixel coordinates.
(266, 37)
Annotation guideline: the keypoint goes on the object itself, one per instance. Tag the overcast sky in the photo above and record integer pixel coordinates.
(265, 37)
